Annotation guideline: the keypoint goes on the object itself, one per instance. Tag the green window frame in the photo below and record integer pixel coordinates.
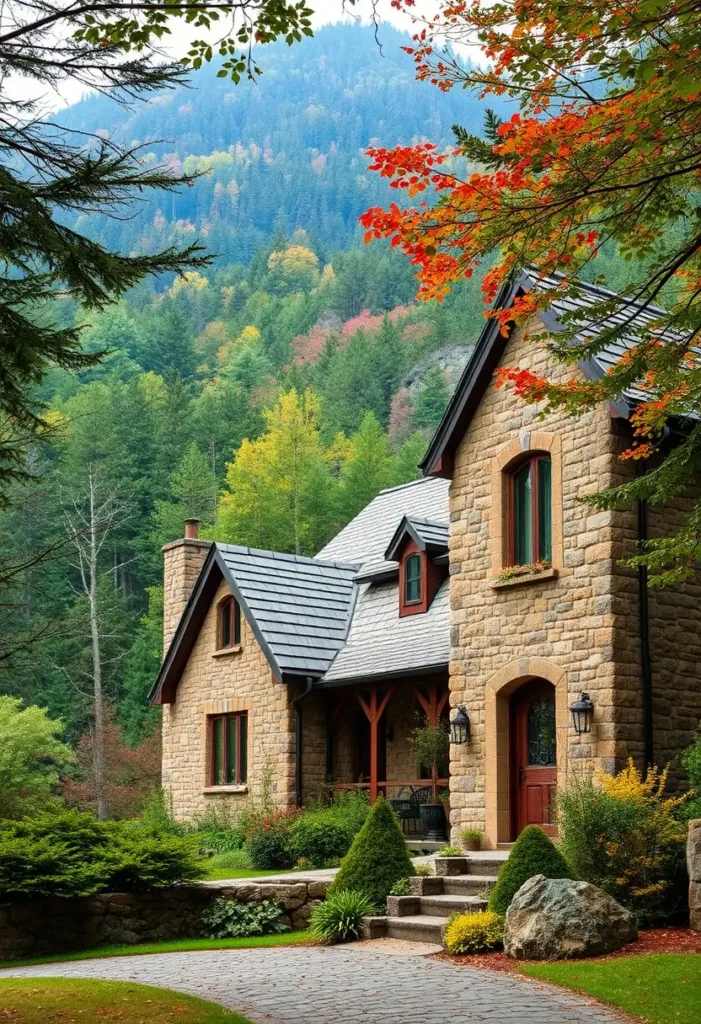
(412, 579)
(530, 511)
(228, 749)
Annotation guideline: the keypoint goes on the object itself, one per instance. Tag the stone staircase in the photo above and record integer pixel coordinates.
(461, 884)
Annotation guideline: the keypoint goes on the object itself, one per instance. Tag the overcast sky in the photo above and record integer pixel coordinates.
(326, 11)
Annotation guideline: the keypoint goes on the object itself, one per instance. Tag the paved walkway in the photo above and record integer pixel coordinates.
(341, 986)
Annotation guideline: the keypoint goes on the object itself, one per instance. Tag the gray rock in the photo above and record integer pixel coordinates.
(451, 360)
(558, 919)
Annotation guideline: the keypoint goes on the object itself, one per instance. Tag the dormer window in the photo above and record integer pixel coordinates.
(412, 579)
(228, 624)
(530, 512)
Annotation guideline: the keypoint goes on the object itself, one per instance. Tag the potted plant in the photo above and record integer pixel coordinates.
(471, 838)
(431, 746)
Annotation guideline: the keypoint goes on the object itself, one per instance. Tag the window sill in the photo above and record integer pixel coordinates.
(225, 789)
(526, 578)
(225, 651)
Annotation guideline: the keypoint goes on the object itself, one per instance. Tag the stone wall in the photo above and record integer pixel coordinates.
(575, 626)
(216, 682)
(50, 926)
(693, 864)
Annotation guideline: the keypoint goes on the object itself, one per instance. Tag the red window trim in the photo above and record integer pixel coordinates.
(224, 717)
(234, 613)
(413, 607)
(532, 460)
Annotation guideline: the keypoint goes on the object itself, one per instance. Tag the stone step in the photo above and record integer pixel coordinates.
(447, 904)
(467, 885)
(416, 928)
(473, 865)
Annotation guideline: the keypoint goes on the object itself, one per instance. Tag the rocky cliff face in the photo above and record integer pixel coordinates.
(451, 360)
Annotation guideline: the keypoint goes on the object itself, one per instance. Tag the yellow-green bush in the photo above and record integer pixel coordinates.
(474, 933)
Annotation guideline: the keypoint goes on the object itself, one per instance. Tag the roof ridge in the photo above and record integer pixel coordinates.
(401, 487)
(285, 556)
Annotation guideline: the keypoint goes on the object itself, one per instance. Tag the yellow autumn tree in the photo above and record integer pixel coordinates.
(279, 485)
(294, 269)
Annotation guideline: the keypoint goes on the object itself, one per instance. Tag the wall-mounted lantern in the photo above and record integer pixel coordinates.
(460, 726)
(582, 712)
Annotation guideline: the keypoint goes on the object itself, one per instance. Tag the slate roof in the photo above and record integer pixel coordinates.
(366, 538)
(301, 606)
(624, 315)
(382, 644)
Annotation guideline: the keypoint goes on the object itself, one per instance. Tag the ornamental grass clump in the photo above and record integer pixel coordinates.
(338, 918)
(377, 859)
(474, 933)
(621, 833)
(532, 854)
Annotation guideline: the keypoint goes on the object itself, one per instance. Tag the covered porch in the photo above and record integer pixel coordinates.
(368, 727)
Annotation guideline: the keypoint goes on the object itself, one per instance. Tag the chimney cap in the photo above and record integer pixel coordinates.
(192, 528)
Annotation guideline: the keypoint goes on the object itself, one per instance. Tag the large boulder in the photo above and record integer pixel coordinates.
(559, 919)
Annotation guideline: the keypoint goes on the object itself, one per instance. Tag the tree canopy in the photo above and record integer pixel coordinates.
(603, 152)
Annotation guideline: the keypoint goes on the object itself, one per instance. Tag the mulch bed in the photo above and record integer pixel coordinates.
(652, 940)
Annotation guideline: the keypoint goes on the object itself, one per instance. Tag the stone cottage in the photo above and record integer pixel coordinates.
(487, 586)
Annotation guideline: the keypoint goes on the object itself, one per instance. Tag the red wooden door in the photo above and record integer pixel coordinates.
(534, 757)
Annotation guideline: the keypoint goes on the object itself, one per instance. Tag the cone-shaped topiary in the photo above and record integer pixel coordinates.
(377, 858)
(532, 854)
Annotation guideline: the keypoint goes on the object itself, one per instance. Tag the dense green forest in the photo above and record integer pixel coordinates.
(265, 395)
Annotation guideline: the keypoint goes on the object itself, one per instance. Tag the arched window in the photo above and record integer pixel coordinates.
(412, 579)
(228, 624)
(530, 512)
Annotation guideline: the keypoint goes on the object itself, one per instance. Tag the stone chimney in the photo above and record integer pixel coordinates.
(182, 561)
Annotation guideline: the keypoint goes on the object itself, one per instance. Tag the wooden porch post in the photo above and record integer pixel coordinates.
(433, 707)
(373, 713)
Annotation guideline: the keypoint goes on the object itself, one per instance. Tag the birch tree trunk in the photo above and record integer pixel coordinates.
(99, 715)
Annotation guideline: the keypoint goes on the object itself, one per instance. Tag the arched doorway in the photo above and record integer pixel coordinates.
(533, 756)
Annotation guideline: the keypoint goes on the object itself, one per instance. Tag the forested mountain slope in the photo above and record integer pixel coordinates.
(286, 152)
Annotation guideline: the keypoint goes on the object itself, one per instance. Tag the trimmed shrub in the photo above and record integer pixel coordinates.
(474, 933)
(319, 839)
(268, 843)
(378, 857)
(621, 833)
(73, 854)
(229, 919)
(532, 854)
(141, 858)
(337, 919)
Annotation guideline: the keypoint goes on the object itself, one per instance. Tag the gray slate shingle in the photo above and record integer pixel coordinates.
(366, 537)
(301, 606)
(381, 643)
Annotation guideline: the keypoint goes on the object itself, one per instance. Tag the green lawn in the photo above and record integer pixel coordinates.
(182, 946)
(39, 1000)
(664, 988)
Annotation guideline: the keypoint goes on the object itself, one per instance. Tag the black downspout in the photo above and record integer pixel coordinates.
(644, 617)
(299, 734)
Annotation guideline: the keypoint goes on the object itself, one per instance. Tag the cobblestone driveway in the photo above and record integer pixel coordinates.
(337, 986)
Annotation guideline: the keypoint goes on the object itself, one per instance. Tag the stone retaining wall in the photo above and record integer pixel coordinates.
(693, 863)
(60, 925)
